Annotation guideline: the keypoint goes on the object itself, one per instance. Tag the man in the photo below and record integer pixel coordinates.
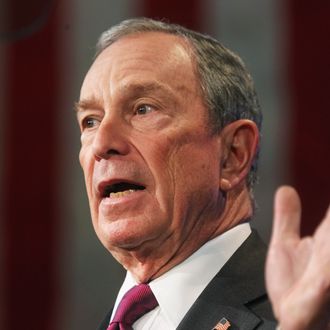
(170, 125)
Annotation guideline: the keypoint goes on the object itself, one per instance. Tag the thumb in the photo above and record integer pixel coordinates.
(287, 213)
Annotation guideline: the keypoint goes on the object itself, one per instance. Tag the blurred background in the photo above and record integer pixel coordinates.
(54, 272)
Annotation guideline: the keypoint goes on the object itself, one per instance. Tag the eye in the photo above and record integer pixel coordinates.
(89, 122)
(144, 109)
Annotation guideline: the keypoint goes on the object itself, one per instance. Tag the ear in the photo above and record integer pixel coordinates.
(240, 142)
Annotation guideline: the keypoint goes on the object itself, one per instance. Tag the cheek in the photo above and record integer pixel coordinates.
(158, 156)
(182, 165)
(86, 160)
(195, 158)
(195, 173)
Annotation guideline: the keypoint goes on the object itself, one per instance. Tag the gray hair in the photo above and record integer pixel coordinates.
(227, 86)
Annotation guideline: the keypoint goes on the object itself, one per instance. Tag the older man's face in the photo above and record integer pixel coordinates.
(151, 166)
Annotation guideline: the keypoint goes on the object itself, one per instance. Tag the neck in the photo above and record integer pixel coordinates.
(147, 262)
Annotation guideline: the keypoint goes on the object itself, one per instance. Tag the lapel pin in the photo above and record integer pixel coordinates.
(223, 324)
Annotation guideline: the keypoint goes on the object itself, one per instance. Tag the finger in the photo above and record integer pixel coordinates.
(287, 212)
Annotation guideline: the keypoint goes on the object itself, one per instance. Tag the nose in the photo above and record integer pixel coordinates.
(110, 139)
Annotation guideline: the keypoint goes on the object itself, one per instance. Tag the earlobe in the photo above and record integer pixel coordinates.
(225, 184)
(240, 142)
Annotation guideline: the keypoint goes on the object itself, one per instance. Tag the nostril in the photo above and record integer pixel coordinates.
(109, 142)
(97, 158)
(113, 152)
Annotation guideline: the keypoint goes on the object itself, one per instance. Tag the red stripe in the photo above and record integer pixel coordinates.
(30, 224)
(184, 12)
(309, 75)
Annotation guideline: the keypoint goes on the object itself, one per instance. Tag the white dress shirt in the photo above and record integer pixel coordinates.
(178, 289)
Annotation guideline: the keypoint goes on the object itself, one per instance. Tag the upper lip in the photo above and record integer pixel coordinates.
(104, 188)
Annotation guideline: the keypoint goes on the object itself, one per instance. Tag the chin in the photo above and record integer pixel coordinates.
(121, 238)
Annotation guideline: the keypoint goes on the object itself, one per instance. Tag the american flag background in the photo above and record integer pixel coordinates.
(55, 275)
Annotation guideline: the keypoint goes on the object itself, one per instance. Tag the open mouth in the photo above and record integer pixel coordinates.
(120, 189)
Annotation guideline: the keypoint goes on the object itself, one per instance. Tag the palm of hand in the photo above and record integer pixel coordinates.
(298, 269)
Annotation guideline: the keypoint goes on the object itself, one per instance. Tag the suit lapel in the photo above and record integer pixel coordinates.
(237, 287)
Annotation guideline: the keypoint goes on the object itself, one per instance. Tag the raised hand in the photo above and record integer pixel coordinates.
(298, 269)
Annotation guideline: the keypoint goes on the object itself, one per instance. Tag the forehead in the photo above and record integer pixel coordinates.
(150, 57)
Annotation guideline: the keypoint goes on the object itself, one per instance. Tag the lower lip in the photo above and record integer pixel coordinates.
(108, 204)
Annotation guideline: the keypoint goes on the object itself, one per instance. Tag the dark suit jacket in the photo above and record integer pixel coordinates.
(237, 293)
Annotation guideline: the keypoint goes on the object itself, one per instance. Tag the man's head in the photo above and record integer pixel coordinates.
(161, 179)
(227, 86)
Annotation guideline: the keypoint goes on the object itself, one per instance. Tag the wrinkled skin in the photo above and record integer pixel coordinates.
(143, 121)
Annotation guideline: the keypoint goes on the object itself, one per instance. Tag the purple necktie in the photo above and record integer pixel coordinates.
(136, 302)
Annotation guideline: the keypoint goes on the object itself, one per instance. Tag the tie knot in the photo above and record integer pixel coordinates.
(136, 302)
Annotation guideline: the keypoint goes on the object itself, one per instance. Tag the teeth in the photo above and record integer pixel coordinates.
(121, 193)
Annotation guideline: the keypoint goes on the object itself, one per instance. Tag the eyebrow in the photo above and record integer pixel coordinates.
(139, 88)
(85, 104)
(136, 89)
